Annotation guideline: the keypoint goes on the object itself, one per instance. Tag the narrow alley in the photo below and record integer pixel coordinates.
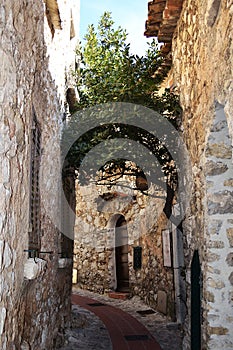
(116, 176)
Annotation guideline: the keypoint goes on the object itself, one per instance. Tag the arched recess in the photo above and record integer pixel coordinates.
(118, 235)
(121, 255)
(218, 272)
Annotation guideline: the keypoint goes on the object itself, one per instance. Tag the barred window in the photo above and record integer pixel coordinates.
(34, 212)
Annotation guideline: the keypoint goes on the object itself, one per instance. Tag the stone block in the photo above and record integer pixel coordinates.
(231, 278)
(230, 298)
(228, 183)
(219, 125)
(7, 256)
(215, 284)
(2, 319)
(229, 259)
(216, 244)
(215, 226)
(219, 150)
(211, 257)
(162, 302)
(220, 203)
(218, 330)
(33, 268)
(230, 236)
(210, 297)
(215, 168)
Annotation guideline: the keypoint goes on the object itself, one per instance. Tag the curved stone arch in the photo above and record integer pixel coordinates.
(113, 220)
(218, 275)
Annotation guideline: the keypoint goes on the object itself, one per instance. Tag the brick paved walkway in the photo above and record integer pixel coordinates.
(91, 331)
(125, 331)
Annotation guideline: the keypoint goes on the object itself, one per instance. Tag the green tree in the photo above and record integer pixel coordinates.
(108, 72)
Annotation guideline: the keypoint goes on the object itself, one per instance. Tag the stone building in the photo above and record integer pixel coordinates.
(118, 243)
(197, 37)
(38, 40)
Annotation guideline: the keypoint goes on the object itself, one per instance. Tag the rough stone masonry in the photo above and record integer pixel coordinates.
(203, 73)
(33, 50)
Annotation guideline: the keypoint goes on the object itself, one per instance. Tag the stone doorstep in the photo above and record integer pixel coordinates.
(118, 295)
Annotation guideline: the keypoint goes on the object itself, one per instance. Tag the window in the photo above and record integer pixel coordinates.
(34, 210)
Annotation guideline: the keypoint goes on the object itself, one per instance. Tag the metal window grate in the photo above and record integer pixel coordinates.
(34, 215)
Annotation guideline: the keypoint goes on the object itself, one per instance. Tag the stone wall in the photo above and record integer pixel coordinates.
(31, 311)
(203, 71)
(94, 246)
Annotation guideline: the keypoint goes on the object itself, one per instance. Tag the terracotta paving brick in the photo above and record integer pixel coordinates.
(119, 325)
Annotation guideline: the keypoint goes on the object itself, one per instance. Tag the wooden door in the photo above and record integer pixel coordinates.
(121, 253)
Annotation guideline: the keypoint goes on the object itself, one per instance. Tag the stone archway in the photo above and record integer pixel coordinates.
(218, 275)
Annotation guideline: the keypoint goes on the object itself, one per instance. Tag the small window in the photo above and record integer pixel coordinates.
(34, 210)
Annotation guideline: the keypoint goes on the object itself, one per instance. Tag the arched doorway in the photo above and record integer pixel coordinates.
(121, 255)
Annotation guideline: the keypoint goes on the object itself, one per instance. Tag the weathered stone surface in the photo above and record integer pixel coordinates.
(211, 257)
(214, 227)
(228, 182)
(215, 284)
(2, 319)
(216, 244)
(210, 297)
(218, 126)
(229, 259)
(215, 168)
(7, 256)
(218, 330)
(33, 80)
(230, 298)
(231, 278)
(203, 75)
(95, 240)
(221, 203)
(219, 151)
(230, 236)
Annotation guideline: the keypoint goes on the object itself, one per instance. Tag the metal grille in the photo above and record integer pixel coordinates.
(35, 222)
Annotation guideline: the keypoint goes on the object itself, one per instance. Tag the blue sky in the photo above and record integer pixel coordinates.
(129, 14)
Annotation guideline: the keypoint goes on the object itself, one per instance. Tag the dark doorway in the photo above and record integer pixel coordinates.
(195, 302)
(121, 254)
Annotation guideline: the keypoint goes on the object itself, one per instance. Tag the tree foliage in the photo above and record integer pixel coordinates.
(109, 72)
